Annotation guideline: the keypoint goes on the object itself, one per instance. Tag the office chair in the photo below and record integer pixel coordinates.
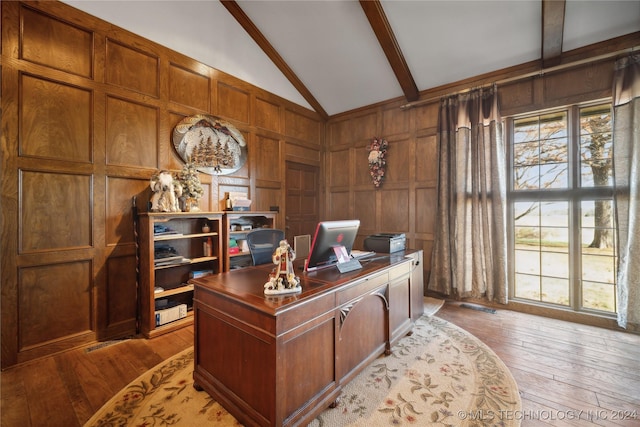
(262, 243)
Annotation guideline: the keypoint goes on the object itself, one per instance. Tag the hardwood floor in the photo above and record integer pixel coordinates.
(564, 370)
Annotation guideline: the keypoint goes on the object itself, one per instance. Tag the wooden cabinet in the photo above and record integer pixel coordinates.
(236, 226)
(174, 248)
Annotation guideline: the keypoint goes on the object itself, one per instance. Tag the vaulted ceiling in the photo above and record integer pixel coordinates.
(334, 56)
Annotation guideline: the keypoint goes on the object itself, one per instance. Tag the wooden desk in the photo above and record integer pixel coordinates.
(280, 361)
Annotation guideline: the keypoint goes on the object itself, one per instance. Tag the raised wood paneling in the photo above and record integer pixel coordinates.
(302, 154)
(55, 211)
(395, 215)
(264, 197)
(119, 217)
(516, 95)
(426, 116)
(364, 209)
(121, 313)
(88, 113)
(187, 87)
(54, 302)
(362, 175)
(55, 120)
(267, 115)
(425, 206)
(398, 161)
(265, 153)
(302, 127)
(394, 121)
(233, 102)
(338, 206)
(132, 69)
(132, 133)
(358, 128)
(49, 41)
(338, 168)
(426, 159)
(586, 82)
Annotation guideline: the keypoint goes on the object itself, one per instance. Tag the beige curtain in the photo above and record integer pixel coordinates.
(469, 256)
(626, 161)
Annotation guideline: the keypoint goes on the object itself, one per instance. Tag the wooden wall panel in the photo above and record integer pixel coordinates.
(590, 81)
(362, 127)
(365, 210)
(49, 41)
(265, 153)
(55, 120)
(54, 302)
(302, 127)
(132, 69)
(517, 95)
(267, 115)
(338, 206)
(121, 271)
(119, 212)
(398, 161)
(233, 102)
(55, 211)
(190, 88)
(302, 154)
(426, 158)
(168, 157)
(394, 213)
(131, 133)
(264, 198)
(394, 122)
(338, 168)
(362, 175)
(426, 116)
(426, 210)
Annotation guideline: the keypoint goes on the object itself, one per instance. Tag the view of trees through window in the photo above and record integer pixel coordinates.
(562, 209)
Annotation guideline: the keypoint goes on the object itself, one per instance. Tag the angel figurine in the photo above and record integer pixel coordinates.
(283, 279)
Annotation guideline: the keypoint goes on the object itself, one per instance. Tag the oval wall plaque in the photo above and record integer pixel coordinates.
(213, 145)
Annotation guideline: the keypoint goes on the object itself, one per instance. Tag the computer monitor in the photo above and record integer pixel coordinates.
(329, 234)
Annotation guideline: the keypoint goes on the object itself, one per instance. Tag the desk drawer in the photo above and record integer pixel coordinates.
(399, 271)
(362, 287)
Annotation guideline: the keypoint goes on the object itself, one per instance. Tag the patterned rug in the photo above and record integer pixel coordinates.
(439, 375)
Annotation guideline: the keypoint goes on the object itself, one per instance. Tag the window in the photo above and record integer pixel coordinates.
(562, 242)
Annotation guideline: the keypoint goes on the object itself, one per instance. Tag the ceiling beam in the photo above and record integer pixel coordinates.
(253, 31)
(378, 21)
(552, 31)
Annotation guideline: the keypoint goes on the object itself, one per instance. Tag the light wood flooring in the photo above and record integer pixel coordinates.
(564, 370)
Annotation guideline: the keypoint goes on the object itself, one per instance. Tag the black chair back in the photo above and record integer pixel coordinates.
(262, 243)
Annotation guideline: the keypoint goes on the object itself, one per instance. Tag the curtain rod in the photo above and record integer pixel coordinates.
(540, 73)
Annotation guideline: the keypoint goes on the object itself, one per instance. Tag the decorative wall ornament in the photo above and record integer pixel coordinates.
(377, 159)
(212, 145)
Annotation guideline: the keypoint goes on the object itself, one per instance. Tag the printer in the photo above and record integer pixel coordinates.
(385, 243)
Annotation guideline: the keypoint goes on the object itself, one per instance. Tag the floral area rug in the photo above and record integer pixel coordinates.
(439, 376)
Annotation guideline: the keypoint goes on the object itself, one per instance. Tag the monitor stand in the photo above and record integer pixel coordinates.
(345, 262)
(345, 267)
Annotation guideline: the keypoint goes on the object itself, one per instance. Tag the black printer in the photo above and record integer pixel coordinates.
(385, 243)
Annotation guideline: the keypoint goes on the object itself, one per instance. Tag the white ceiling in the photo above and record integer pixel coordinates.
(333, 51)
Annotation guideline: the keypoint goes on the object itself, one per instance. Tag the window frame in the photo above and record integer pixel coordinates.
(574, 194)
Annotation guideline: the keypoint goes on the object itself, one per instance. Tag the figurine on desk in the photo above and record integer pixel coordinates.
(283, 279)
